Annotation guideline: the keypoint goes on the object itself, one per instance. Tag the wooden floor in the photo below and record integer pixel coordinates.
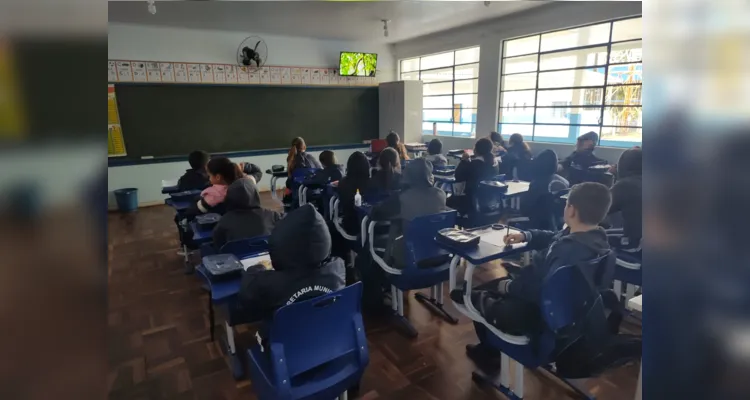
(159, 346)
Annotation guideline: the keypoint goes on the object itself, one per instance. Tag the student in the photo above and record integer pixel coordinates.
(472, 171)
(299, 158)
(518, 157)
(222, 173)
(420, 198)
(300, 251)
(331, 171)
(513, 305)
(195, 178)
(498, 143)
(537, 202)
(576, 165)
(434, 153)
(251, 171)
(387, 177)
(244, 217)
(357, 179)
(626, 197)
(394, 142)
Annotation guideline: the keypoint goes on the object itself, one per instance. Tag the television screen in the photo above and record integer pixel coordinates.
(357, 64)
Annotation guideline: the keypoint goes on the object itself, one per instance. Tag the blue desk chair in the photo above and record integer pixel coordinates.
(277, 172)
(486, 206)
(427, 265)
(568, 300)
(628, 267)
(244, 248)
(324, 362)
(298, 176)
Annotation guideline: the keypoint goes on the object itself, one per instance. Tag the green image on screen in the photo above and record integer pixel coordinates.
(358, 64)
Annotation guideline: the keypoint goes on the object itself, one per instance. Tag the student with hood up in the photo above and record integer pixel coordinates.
(300, 250)
(626, 197)
(576, 165)
(244, 217)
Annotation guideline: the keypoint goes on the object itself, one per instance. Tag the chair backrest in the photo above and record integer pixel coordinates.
(300, 173)
(568, 296)
(420, 233)
(378, 145)
(313, 332)
(243, 248)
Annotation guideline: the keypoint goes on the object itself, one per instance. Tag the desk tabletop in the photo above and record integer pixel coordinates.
(515, 188)
(445, 178)
(225, 289)
(636, 303)
(490, 246)
(178, 205)
(415, 145)
(201, 236)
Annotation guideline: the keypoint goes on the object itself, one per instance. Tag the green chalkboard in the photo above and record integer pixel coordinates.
(168, 120)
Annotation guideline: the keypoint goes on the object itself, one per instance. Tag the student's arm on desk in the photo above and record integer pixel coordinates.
(538, 239)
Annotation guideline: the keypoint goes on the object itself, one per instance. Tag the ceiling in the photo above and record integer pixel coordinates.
(356, 21)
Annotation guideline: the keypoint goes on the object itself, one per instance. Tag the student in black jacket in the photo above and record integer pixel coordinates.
(300, 251)
(357, 179)
(299, 158)
(513, 305)
(537, 203)
(195, 178)
(244, 217)
(331, 171)
(519, 157)
(471, 171)
(626, 198)
(575, 166)
(419, 198)
(387, 177)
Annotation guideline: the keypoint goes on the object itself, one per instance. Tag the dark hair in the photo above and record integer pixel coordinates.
(390, 164)
(198, 159)
(497, 138)
(392, 139)
(516, 140)
(225, 168)
(435, 147)
(358, 167)
(591, 200)
(483, 148)
(327, 158)
(298, 147)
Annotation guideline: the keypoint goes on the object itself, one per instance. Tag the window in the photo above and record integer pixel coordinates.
(450, 82)
(558, 85)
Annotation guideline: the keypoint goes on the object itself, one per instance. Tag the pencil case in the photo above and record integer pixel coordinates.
(223, 265)
(207, 221)
(458, 238)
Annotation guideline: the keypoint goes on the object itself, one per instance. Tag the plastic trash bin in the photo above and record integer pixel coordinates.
(127, 199)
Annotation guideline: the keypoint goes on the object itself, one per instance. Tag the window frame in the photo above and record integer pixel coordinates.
(453, 94)
(603, 105)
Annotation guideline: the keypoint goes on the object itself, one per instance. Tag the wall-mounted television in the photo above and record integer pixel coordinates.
(357, 64)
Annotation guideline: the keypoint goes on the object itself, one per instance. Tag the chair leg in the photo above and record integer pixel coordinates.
(617, 287)
(435, 303)
(502, 388)
(397, 298)
(579, 390)
(629, 292)
(343, 396)
(234, 360)
(211, 320)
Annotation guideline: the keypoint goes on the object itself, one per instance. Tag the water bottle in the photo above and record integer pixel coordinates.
(357, 199)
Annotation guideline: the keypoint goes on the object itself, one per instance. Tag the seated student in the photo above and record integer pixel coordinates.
(626, 198)
(576, 165)
(300, 251)
(418, 199)
(387, 177)
(434, 153)
(518, 157)
(498, 143)
(471, 171)
(222, 173)
(544, 181)
(251, 171)
(299, 158)
(357, 178)
(513, 305)
(332, 171)
(195, 178)
(244, 217)
(394, 142)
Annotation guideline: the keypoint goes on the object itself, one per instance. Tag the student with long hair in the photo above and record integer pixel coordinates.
(394, 142)
(518, 156)
(387, 177)
(498, 143)
(472, 170)
(357, 178)
(299, 158)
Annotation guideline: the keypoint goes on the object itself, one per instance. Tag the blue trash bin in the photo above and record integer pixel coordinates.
(127, 199)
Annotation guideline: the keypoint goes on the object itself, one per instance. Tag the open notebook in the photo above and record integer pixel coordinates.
(263, 259)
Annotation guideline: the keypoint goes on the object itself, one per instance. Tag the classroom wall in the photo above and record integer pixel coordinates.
(147, 177)
(489, 35)
(148, 43)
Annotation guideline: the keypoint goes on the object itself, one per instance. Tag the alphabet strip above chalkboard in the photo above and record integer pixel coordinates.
(202, 73)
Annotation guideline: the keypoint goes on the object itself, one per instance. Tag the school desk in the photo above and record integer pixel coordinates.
(514, 192)
(275, 176)
(179, 206)
(416, 148)
(201, 236)
(169, 186)
(224, 292)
